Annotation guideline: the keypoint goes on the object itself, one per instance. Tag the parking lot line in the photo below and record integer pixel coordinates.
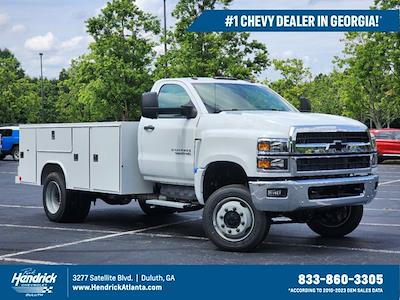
(95, 238)
(163, 235)
(19, 206)
(31, 261)
(389, 182)
(9, 173)
(58, 228)
(334, 247)
(390, 199)
(382, 209)
(379, 224)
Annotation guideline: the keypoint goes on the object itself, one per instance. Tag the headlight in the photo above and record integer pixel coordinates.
(265, 164)
(272, 155)
(272, 146)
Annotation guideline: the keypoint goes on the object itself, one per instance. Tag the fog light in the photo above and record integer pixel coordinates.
(277, 193)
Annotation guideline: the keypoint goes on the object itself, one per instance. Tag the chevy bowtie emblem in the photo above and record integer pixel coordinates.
(337, 145)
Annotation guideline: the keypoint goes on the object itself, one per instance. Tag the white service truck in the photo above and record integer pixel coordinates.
(235, 148)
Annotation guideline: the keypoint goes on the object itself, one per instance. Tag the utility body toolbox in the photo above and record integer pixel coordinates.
(96, 157)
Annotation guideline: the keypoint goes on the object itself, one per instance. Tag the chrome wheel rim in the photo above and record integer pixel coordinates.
(53, 197)
(233, 219)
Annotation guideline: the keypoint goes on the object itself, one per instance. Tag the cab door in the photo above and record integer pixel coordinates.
(166, 144)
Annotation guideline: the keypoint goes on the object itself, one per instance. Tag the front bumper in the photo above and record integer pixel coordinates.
(298, 193)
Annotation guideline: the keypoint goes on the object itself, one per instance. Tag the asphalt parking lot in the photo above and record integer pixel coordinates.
(124, 235)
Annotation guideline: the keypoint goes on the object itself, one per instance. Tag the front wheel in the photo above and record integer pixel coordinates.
(2, 156)
(337, 222)
(231, 221)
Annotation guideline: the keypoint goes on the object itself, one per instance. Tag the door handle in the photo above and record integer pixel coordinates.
(149, 127)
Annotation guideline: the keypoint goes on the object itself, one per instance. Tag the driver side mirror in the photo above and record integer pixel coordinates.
(149, 105)
(150, 108)
(305, 104)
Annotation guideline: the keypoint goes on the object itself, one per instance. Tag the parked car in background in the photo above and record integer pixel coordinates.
(388, 143)
(9, 142)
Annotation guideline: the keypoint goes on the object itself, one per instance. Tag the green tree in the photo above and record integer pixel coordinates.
(326, 94)
(371, 66)
(107, 83)
(294, 81)
(209, 54)
(18, 94)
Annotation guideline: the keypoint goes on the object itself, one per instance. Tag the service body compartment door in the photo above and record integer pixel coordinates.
(79, 174)
(54, 139)
(27, 161)
(105, 159)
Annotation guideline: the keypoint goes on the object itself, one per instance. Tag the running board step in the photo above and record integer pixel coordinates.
(165, 203)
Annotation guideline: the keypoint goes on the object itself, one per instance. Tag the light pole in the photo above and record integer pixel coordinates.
(165, 27)
(41, 88)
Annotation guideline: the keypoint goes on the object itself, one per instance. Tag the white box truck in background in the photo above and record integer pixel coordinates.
(236, 148)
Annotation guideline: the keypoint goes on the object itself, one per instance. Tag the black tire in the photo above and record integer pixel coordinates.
(231, 221)
(381, 159)
(69, 206)
(15, 153)
(347, 220)
(154, 210)
(2, 156)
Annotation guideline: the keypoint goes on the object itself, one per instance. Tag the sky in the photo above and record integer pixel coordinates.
(57, 29)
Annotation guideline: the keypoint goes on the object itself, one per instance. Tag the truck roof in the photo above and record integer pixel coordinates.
(218, 79)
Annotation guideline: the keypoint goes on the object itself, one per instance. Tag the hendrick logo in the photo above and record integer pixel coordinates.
(31, 283)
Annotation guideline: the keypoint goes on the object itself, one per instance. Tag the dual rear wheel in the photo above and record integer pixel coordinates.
(62, 205)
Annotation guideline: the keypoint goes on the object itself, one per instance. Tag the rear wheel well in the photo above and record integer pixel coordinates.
(223, 173)
(50, 168)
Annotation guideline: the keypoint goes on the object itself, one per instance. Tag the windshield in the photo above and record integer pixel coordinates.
(231, 97)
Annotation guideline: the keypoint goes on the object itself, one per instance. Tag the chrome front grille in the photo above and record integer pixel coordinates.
(308, 143)
(331, 137)
(331, 152)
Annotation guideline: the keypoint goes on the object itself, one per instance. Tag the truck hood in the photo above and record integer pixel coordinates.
(277, 124)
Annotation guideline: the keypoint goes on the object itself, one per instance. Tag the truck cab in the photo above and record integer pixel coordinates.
(233, 148)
